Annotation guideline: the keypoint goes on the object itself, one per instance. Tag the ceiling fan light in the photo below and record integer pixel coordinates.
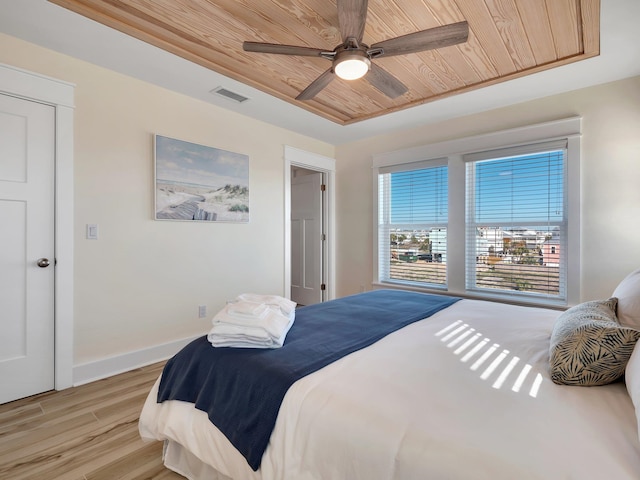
(352, 67)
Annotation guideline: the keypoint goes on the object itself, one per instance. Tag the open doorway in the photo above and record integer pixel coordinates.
(309, 220)
(307, 236)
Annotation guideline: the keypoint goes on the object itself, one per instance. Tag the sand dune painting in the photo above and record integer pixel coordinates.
(199, 183)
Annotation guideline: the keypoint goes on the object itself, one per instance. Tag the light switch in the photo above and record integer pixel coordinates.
(92, 231)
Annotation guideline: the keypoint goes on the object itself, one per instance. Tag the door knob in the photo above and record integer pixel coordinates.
(43, 262)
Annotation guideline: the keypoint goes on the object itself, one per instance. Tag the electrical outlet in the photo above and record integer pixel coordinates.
(202, 311)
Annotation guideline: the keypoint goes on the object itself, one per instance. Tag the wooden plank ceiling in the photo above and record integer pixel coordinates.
(507, 39)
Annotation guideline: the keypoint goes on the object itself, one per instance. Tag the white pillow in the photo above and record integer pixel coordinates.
(628, 295)
(632, 379)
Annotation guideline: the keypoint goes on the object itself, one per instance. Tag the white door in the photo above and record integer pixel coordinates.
(26, 246)
(306, 238)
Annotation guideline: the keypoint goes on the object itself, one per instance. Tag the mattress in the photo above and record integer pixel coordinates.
(463, 394)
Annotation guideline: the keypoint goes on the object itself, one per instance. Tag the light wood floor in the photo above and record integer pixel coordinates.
(83, 433)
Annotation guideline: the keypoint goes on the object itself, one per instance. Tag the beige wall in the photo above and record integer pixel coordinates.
(140, 284)
(610, 176)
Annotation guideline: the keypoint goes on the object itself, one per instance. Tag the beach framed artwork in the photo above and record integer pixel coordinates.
(198, 183)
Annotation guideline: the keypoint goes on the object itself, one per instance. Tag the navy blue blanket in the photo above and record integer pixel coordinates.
(241, 389)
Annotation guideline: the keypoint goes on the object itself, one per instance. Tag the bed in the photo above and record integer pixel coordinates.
(464, 393)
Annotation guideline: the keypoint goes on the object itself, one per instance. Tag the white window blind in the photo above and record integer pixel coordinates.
(516, 228)
(412, 223)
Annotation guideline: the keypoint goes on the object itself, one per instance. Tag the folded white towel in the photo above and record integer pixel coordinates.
(247, 309)
(270, 333)
(253, 321)
(286, 305)
(273, 320)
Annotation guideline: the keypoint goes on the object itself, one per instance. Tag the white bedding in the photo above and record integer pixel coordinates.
(416, 406)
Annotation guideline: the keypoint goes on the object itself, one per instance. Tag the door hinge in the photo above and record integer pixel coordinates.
(323, 237)
(323, 187)
(323, 287)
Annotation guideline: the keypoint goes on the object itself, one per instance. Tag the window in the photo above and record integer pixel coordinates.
(492, 216)
(516, 220)
(412, 224)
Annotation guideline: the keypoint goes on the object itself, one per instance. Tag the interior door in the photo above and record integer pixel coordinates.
(306, 238)
(27, 132)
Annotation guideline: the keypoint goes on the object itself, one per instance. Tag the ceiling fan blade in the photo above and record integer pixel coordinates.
(385, 82)
(282, 49)
(352, 15)
(437, 37)
(318, 84)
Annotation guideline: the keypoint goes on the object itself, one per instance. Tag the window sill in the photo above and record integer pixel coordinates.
(499, 298)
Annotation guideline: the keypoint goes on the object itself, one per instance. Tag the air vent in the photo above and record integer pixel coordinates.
(228, 94)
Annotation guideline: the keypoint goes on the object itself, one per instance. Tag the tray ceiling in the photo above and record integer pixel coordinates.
(507, 39)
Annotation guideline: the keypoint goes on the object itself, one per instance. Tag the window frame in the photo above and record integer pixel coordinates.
(515, 155)
(383, 222)
(454, 152)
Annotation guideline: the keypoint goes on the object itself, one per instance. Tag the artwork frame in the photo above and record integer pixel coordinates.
(199, 183)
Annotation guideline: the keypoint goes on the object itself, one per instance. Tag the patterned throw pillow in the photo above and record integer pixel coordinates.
(589, 347)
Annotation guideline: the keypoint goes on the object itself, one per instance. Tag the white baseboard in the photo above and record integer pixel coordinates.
(107, 367)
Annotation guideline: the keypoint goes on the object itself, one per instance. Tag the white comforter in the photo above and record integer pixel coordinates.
(426, 402)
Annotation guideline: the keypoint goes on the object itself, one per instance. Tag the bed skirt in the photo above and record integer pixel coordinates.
(180, 460)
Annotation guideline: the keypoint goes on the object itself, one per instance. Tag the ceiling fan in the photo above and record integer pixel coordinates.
(352, 59)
